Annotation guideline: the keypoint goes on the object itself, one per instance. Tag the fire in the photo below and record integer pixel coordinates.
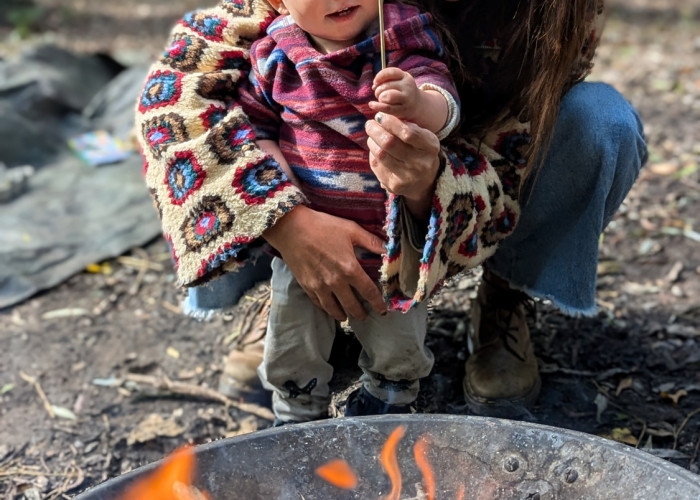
(173, 479)
(338, 473)
(170, 481)
(420, 450)
(391, 464)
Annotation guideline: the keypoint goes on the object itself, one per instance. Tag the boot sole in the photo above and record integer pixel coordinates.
(515, 407)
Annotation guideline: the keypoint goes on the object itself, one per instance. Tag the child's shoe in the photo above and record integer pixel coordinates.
(360, 402)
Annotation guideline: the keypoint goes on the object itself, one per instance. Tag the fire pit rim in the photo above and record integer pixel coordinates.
(108, 488)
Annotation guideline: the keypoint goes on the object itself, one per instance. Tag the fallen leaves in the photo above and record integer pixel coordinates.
(152, 427)
(625, 383)
(40, 391)
(68, 312)
(675, 396)
(62, 412)
(622, 435)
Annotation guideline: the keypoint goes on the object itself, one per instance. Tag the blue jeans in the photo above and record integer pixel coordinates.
(594, 158)
(223, 292)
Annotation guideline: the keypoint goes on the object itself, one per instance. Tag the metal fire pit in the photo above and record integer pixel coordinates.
(490, 458)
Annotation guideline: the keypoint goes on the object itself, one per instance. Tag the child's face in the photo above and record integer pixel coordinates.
(332, 24)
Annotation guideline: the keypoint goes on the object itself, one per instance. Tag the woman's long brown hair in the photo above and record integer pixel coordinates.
(540, 41)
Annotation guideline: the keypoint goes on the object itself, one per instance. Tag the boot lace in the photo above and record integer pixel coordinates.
(499, 309)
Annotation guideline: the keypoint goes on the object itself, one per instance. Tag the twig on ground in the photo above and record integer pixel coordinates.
(24, 471)
(145, 265)
(606, 393)
(171, 307)
(695, 453)
(67, 431)
(181, 388)
(677, 433)
(69, 483)
(40, 392)
(136, 263)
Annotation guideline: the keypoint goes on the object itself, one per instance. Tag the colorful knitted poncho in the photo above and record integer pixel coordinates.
(216, 192)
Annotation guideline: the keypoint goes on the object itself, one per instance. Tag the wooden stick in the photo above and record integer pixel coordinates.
(382, 46)
(40, 392)
(165, 384)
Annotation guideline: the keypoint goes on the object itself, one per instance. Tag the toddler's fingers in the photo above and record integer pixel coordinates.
(394, 86)
(389, 109)
(392, 96)
(379, 107)
(387, 75)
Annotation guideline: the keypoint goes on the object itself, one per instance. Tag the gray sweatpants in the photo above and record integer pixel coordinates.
(298, 345)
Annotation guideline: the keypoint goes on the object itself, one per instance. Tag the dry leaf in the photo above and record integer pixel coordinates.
(686, 171)
(172, 352)
(104, 268)
(625, 383)
(675, 272)
(622, 435)
(659, 432)
(153, 427)
(665, 168)
(647, 225)
(674, 397)
(62, 412)
(606, 267)
(640, 288)
(68, 312)
(601, 403)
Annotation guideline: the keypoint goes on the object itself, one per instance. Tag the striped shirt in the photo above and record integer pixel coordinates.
(316, 105)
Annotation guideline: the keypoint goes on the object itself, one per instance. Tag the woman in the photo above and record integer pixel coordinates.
(542, 165)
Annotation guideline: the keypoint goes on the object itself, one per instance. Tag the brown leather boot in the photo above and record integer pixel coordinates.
(501, 378)
(239, 379)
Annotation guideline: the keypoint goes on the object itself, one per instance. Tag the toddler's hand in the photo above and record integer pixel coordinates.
(397, 94)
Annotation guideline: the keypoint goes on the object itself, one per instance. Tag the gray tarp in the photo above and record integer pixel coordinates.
(72, 214)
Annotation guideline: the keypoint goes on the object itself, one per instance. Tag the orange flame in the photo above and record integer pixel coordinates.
(338, 473)
(391, 464)
(170, 481)
(420, 450)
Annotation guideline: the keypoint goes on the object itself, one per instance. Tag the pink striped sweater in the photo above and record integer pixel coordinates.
(315, 106)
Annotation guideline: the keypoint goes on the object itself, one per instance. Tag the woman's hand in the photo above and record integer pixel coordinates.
(404, 157)
(319, 250)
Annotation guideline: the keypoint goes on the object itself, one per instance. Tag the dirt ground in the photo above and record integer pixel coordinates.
(78, 363)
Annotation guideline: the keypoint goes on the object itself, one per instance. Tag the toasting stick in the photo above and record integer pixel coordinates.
(382, 47)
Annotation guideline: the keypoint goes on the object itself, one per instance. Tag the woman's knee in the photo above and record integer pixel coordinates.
(606, 128)
(611, 140)
(602, 116)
